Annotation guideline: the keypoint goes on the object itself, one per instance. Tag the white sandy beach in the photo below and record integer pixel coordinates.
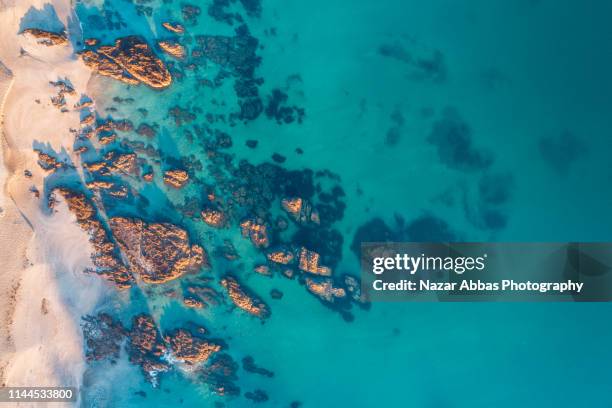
(43, 290)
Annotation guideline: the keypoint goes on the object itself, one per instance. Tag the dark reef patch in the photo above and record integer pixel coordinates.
(562, 151)
(429, 228)
(452, 137)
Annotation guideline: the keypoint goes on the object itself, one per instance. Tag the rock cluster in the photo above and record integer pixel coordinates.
(106, 257)
(157, 252)
(130, 60)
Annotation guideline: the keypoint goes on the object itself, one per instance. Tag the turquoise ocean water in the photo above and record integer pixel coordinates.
(471, 120)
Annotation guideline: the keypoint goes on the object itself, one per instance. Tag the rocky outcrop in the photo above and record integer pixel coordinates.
(103, 337)
(47, 38)
(157, 252)
(213, 217)
(204, 295)
(256, 231)
(188, 348)
(280, 256)
(174, 27)
(48, 162)
(105, 257)
(115, 162)
(172, 48)
(146, 348)
(130, 60)
(220, 375)
(300, 210)
(325, 289)
(309, 262)
(176, 178)
(243, 300)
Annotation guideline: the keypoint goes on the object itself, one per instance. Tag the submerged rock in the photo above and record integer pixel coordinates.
(146, 348)
(220, 375)
(157, 252)
(103, 337)
(243, 300)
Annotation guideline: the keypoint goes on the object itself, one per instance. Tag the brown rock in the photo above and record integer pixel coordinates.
(280, 256)
(174, 27)
(309, 262)
(257, 231)
(134, 55)
(189, 348)
(324, 289)
(158, 253)
(130, 60)
(47, 38)
(243, 300)
(300, 210)
(172, 48)
(176, 178)
(193, 303)
(214, 218)
(105, 257)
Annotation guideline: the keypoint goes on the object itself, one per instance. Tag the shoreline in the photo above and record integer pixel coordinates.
(43, 288)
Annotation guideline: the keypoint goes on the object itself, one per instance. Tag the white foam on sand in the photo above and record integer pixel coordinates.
(43, 288)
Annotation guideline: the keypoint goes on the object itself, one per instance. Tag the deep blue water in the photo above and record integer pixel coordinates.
(472, 120)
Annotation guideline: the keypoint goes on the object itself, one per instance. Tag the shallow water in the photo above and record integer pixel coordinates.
(488, 119)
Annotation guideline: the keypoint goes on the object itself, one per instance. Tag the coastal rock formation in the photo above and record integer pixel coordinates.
(214, 218)
(103, 337)
(300, 210)
(115, 162)
(243, 300)
(280, 256)
(146, 348)
(48, 162)
(324, 289)
(220, 375)
(204, 295)
(47, 38)
(176, 178)
(157, 252)
(309, 262)
(174, 27)
(188, 348)
(172, 48)
(130, 60)
(105, 257)
(257, 231)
